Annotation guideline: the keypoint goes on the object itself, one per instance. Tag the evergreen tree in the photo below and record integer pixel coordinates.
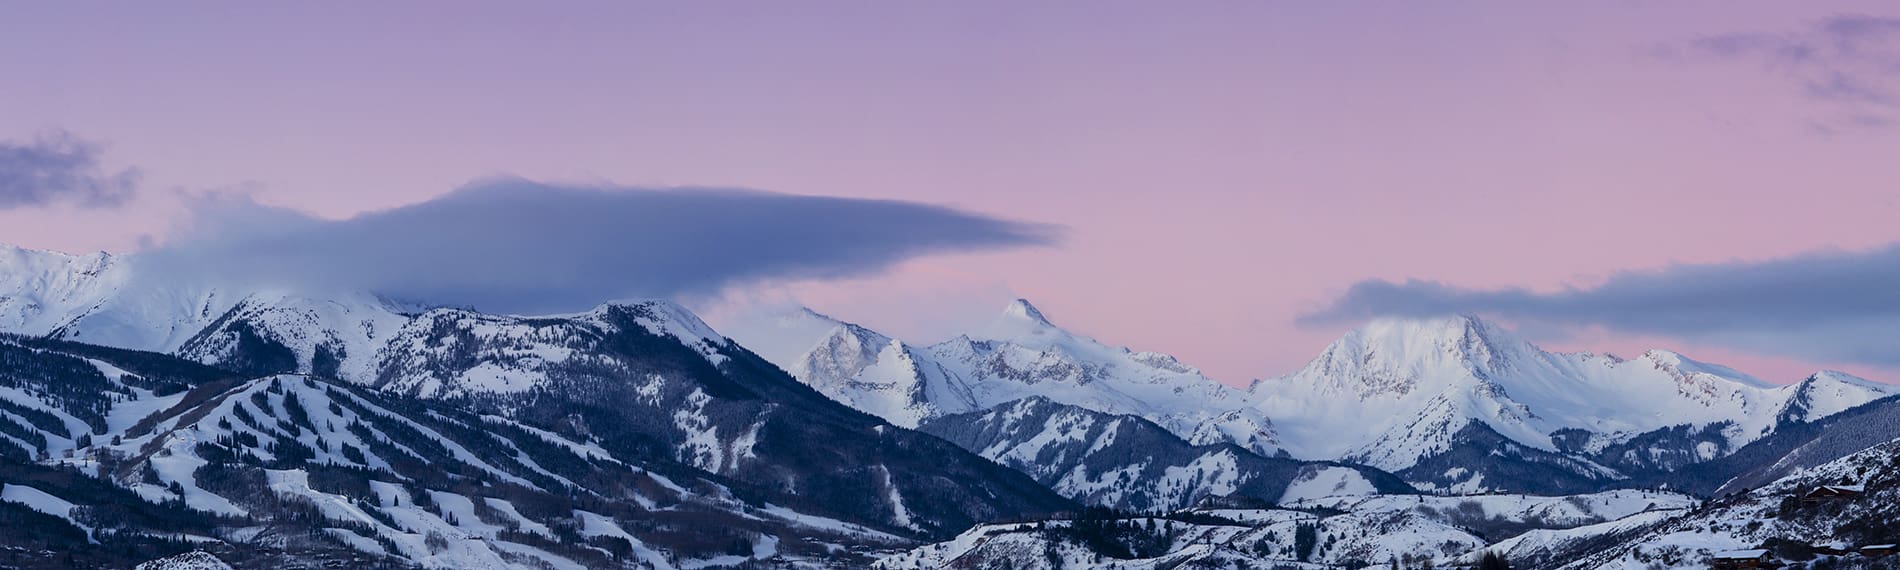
(1492, 561)
(1305, 537)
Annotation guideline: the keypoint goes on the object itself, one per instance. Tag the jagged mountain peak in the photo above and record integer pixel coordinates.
(1022, 309)
(810, 313)
(843, 352)
(1021, 322)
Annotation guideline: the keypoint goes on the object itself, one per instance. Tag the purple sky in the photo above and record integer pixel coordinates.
(1221, 169)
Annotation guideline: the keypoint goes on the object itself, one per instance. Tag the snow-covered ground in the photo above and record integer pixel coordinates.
(1347, 528)
(41, 501)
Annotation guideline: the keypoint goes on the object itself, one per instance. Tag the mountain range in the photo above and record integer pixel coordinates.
(147, 413)
(639, 406)
(1426, 399)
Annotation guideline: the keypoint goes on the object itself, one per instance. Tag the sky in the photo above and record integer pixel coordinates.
(1234, 183)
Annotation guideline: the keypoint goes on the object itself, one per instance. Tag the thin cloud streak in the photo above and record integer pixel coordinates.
(1849, 63)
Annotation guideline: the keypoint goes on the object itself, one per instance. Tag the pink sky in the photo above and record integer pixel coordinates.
(1221, 168)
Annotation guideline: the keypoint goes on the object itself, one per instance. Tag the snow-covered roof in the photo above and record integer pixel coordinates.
(1880, 547)
(1741, 554)
(1840, 489)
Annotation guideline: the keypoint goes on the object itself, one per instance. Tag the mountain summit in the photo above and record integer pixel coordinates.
(1019, 321)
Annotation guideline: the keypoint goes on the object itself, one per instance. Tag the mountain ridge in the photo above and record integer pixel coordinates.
(1019, 354)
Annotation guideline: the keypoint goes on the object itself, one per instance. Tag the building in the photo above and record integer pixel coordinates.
(1878, 550)
(1834, 549)
(1832, 492)
(1742, 560)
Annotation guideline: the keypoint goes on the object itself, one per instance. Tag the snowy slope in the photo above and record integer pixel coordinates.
(1544, 546)
(1569, 511)
(337, 335)
(1801, 446)
(196, 560)
(1774, 518)
(439, 487)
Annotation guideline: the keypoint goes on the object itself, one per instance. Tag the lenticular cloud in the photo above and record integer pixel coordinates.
(521, 246)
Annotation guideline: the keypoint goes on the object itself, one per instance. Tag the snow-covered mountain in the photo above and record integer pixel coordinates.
(1452, 403)
(142, 453)
(652, 381)
(1129, 463)
(1397, 393)
(1019, 354)
(642, 383)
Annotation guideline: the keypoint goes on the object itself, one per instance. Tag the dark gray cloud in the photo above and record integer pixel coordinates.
(1830, 306)
(59, 168)
(1850, 63)
(519, 246)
